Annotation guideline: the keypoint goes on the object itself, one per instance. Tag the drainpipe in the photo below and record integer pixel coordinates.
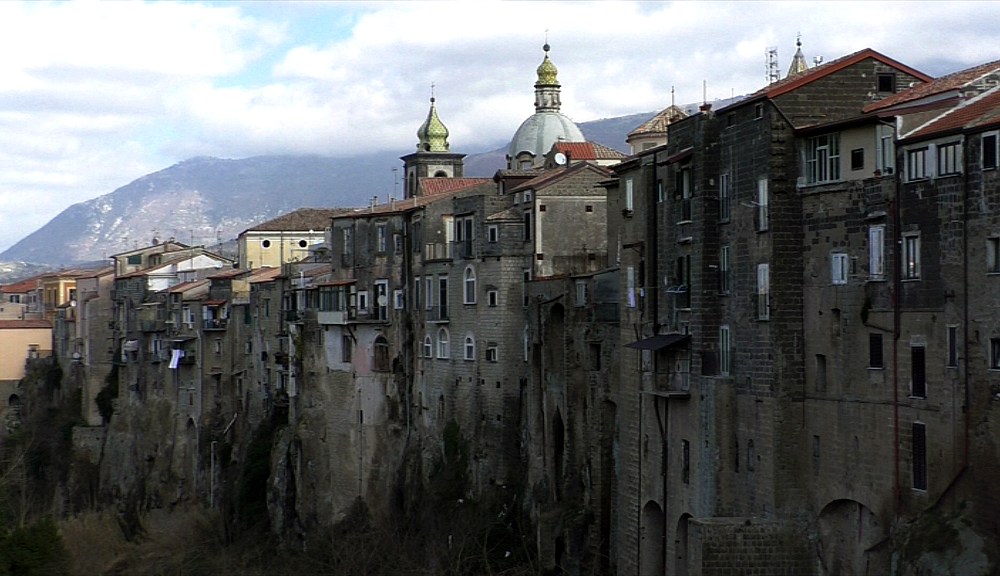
(897, 285)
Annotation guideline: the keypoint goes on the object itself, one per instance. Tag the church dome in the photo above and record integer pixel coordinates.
(536, 135)
(540, 131)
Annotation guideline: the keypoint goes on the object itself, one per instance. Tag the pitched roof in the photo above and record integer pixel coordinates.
(979, 112)
(795, 81)
(300, 220)
(21, 286)
(434, 186)
(658, 124)
(555, 174)
(940, 86)
(587, 151)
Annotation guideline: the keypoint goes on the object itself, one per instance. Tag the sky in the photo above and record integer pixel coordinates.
(95, 94)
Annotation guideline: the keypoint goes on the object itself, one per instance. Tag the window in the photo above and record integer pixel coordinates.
(916, 164)
(994, 353)
(838, 268)
(442, 297)
(362, 301)
(527, 225)
(443, 350)
(628, 195)
(397, 243)
(887, 151)
(345, 246)
(725, 198)
(525, 279)
(492, 352)
(919, 442)
(683, 280)
(661, 193)
(470, 347)
(725, 351)
(918, 372)
(724, 267)
(763, 292)
(493, 298)
(685, 461)
(265, 244)
(493, 233)
(885, 81)
(685, 192)
(429, 292)
(858, 159)
(346, 347)
(464, 236)
(911, 256)
(469, 294)
(381, 299)
(952, 360)
(581, 292)
(762, 215)
(876, 252)
(428, 346)
(820, 372)
(989, 151)
(758, 111)
(875, 358)
(949, 159)
(594, 357)
(380, 238)
(993, 255)
(398, 301)
(134, 259)
(380, 354)
(823, 159)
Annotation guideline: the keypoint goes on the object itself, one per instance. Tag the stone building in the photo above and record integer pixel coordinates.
(738, 335)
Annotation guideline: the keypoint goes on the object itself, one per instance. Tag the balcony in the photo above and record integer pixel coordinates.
(336, 317)
(214, 323)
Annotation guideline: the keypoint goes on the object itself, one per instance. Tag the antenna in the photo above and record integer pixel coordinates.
(771, 65)
(672, 103)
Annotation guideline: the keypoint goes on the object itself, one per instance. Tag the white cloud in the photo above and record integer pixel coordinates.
(96, 94)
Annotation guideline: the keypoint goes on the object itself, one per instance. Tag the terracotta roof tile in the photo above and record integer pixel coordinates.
(946, 83)
(587, 151)
(301, 219)
(434, 186)
(974, 113)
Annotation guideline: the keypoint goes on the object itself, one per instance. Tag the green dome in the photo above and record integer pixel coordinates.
(547, 71)
(432, 135)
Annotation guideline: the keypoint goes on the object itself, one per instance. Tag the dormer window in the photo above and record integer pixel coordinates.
(886, 82)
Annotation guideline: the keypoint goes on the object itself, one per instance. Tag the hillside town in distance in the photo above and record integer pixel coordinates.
(766, 341)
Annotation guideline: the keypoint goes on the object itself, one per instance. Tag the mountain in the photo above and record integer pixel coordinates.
(204, 201)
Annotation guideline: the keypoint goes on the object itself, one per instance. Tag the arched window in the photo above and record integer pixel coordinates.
(443, 351)
(428, 347)
(380, 354)
(470, 347)
(469, 294)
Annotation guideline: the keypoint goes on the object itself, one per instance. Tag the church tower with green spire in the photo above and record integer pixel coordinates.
(432, 158)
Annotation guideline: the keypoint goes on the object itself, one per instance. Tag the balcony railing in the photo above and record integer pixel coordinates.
(340, 317)
(214, 323)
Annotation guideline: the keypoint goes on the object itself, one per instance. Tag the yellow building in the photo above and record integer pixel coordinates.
(292, 237)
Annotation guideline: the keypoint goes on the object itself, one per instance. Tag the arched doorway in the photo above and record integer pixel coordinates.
(651, 560)
(848, 532)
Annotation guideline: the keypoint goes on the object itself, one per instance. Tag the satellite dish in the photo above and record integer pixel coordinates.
(560, 158)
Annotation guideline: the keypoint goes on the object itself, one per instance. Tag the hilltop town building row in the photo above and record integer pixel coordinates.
(767, 339)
